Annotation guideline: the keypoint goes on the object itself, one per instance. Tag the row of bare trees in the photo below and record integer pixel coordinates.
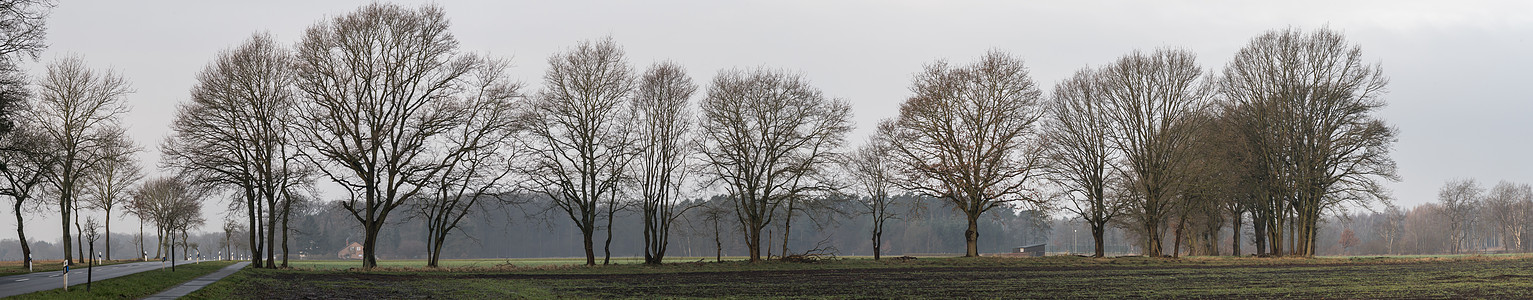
(382, 103)
(1477, 218)
(1285, 134)
(64, 140)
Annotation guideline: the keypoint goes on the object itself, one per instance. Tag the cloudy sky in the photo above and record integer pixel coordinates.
(1459, 69)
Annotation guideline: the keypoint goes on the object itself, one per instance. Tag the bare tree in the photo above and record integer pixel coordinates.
(1460, 200)
(1307, 100)
(873, 173)
(969, 136)
(111, 182)
(78, 109)
(764, 133)
(1152, 99)
(664, 122)
(92, 232)
(476, 171)
(579, 133)
(375, 84)
(26, 162)
(1080, 158)
(236, 134)
(1509, 205)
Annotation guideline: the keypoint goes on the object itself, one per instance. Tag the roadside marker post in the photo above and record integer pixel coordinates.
(66, 275)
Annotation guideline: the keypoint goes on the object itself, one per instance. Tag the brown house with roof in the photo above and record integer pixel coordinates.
(352, 251)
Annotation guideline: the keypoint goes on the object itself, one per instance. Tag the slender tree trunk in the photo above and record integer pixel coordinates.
(108, 234)
(90, 271)
(718, 243)
(79, 238)
(284, 235)
(141, 251)
(65, 200)
(21, 235)
(251, 212)
(172, 251)
(787, 227)
(606, 247)
(271, 231)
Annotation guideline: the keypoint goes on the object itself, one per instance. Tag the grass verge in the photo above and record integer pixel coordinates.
(16, 267)
(133, 286)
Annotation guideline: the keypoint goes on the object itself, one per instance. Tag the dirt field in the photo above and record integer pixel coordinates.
(942, 278)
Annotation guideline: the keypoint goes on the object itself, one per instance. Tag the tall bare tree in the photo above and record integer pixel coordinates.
(1080, 158)
(236, 134)
(1152, 99)
(579, 133)
(969, 136)
(111, 182)
(375, 84)
(1307, 102)
(1511, 210)
(663, 119)
(764, 134)
(78, 108)
(477, 170)
(873, 172)
(26, 162)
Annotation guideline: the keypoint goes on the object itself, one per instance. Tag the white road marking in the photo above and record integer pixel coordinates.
(24, 279)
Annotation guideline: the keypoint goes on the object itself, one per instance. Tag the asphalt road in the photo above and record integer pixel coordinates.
(42, 281)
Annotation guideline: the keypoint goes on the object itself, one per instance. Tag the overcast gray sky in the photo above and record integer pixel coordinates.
(1460, 70)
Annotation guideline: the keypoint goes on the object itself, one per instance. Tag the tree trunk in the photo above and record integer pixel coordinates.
(606, 248)
(1235, 236)
(971, 236)
(65, 195)
(172, 251)
(284, 238)
(90, 270)
(370, 243)
(585, 232)
(1098, 236)
(251, 209)
(108, 230)
(79, 238)
(787, 227)
(878, 233)
(718, 243)
(271, 232)
(1176, 245)
(21, 235)
(436, 250)
(753, 242)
